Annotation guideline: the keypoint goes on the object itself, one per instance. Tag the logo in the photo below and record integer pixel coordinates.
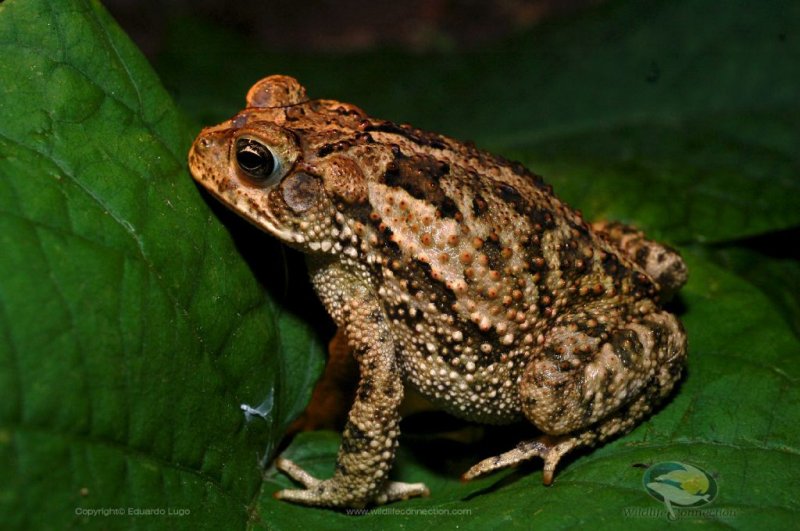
(679, 485)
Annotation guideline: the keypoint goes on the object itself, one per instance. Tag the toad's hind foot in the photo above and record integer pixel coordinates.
(333, 493)
(397, 490)
(548, 447)
(294, 471)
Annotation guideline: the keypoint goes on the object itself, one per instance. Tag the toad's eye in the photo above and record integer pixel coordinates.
(255, 159)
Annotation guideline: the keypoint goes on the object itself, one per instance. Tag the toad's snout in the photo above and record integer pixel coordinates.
(207, 154)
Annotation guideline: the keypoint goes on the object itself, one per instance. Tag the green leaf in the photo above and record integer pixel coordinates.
(120, 380)
(772, 263)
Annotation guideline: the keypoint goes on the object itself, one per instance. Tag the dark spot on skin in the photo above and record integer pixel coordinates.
(391, 391)
(342, 144)
(492, 249)
(580, 227)
(534, 255)
(627, 346)
(675, 369)
(364, 138)
(661, 334)
(640, 251)
(348, 111)
(365, 215)
(426, 268)
(402, 312)
(391, 247)
(353, 439)
(295, 113)
(528, 403)
(479, 206)
(448, 208)
(558, 385)
(546, 297)
(365, 390)
(508, 192)
(419, 277)
(416, 136)
(642, 285)
(598, 330)
(573, 262)
(419, 176)
(413, 287)
(588, 408)
(612, 267)
(672, 276)
(358, 211)
(511, 196)
(327, 149)
(360, 351)
(553, 354)
(332, 147)
(632, 282)
(542, 218)
(349, 446)
(641, 255)
(669, 278)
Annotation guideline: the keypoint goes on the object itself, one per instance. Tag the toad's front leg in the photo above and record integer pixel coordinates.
(369, 439)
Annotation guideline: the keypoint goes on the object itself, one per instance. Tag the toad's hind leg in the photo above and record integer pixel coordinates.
(582, 391)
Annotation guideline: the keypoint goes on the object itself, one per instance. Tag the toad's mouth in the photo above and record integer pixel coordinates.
(262, 219)
(228, 191)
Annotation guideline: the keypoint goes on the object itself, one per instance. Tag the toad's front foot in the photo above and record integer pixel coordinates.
(338, 492)
(549, 448)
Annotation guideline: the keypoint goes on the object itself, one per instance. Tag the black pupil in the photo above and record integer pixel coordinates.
(254, 158)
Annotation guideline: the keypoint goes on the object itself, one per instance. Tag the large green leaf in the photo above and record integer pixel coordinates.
(770, 262)
(131, 328)
(133, 323)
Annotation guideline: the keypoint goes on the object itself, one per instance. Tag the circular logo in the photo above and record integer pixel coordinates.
(678, 484)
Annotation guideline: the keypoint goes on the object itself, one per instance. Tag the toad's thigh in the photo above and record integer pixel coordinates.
(578, 380)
